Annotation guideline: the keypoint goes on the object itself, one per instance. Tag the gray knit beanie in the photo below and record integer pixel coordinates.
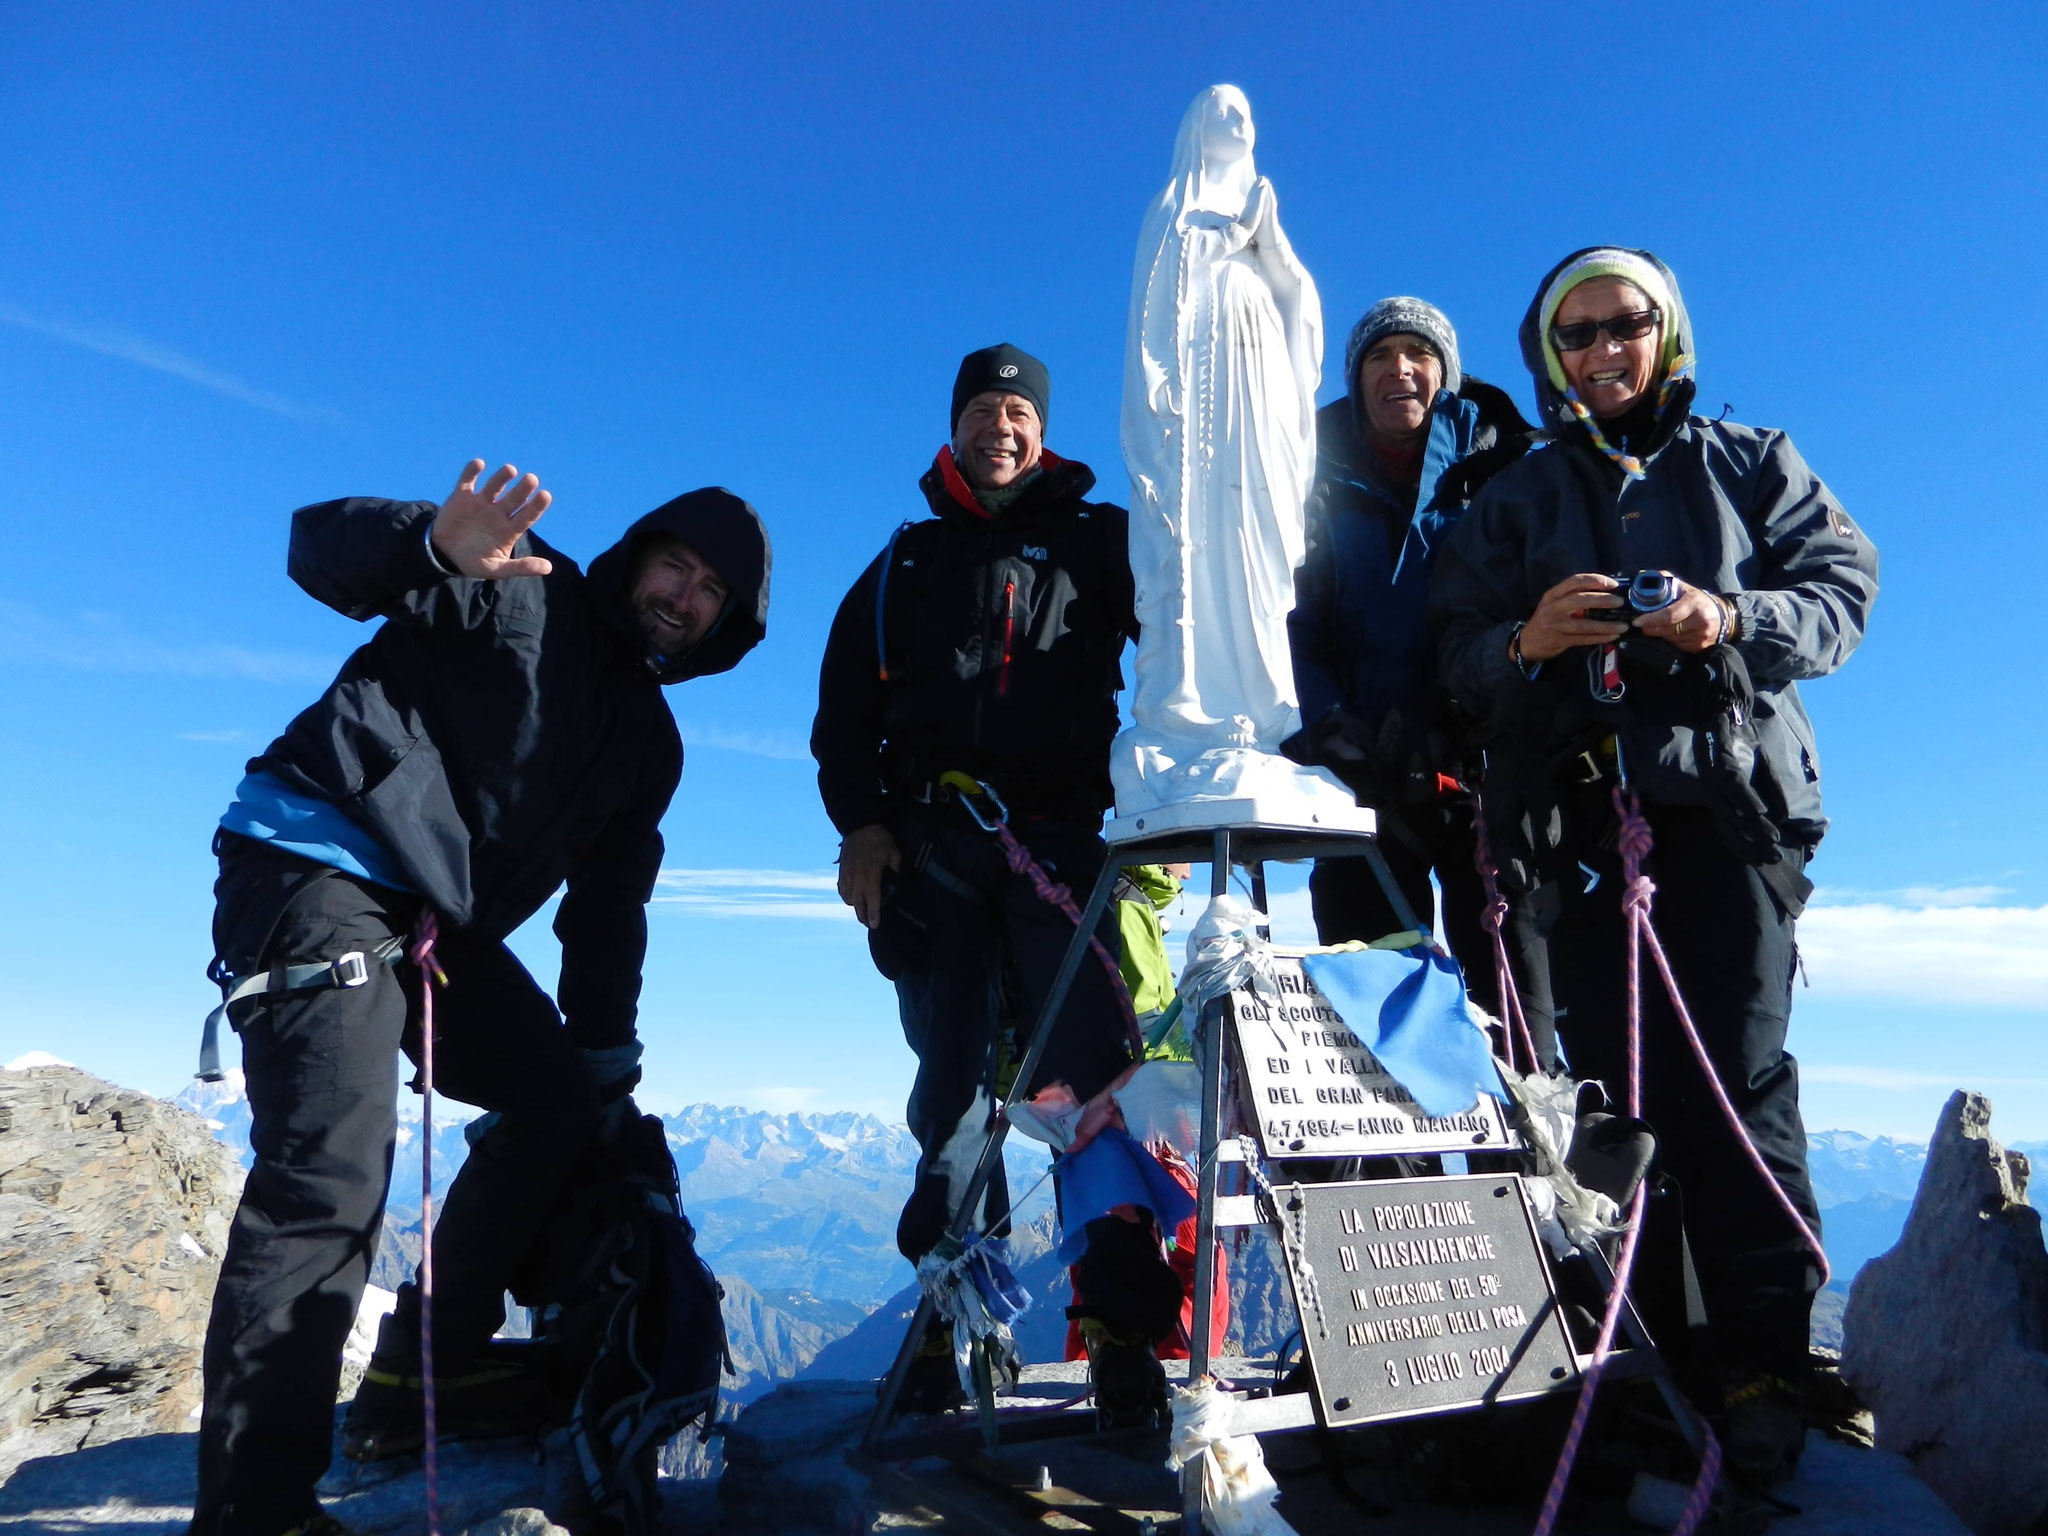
(1416, 317)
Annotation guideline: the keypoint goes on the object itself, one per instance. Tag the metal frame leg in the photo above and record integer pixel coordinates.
(1391, 888)
(963, 1215)
(1207, 1038)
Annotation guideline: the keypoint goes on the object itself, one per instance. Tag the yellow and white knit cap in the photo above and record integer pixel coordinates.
(1610, 261)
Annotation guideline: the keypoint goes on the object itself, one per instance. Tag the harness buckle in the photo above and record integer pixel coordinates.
(971, 792)
(351, 970)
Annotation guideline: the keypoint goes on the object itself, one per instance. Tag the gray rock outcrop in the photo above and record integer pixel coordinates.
(785, 1460)
(114, 1211)
(1946, 1336)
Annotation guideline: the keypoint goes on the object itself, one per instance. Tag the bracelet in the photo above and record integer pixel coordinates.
(1731, 620)
(1529, 670)
(434, 555)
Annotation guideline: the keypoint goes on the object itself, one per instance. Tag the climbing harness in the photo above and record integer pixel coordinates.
(349, 970)
(422, 956)
(973, 795)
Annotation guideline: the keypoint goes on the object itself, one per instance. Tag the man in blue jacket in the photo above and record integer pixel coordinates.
(500, 737)
(1399, 458)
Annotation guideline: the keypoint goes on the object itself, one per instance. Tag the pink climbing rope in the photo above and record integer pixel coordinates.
(1635, 839)
(1019, 858)
(1638, 893)
(422, 956)
(1495, 917)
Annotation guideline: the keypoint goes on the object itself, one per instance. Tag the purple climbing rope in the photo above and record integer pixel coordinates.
(1495, 917)
(1636, 895)
(422, 956)
(1635, 847)
(996, 820)
(1019, 858)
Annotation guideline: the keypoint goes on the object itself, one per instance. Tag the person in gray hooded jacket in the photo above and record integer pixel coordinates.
(1683, 687)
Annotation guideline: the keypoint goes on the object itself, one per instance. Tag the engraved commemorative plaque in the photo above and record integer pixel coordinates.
(1314, 1089)
(1435, 1294)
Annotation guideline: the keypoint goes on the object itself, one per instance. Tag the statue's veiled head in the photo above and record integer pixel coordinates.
(1212, 155)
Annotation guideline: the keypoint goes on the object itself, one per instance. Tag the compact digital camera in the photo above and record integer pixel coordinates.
(1644, 592)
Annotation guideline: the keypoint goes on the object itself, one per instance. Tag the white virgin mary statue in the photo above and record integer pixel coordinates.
(1221, 363)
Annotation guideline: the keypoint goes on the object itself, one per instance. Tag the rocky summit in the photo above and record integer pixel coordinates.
(114, 1211)
(1946, 1336)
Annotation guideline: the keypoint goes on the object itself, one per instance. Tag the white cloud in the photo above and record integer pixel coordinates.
(753, 893)
(727, 879)
(1968, 956)
(100, 642)
(1946, 945)
(1913, 896)
(1892, 1078)
(126, 345)
(34, 1059)
(771, 744)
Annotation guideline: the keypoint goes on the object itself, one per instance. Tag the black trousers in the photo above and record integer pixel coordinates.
(322, 1079)
(1731, 946)
(994, 947)
(1349, 904)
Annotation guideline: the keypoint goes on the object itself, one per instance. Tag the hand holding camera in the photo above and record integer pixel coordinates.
(1591, 609)
(1676, 611)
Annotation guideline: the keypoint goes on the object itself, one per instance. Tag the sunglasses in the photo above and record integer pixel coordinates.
(1633, 326)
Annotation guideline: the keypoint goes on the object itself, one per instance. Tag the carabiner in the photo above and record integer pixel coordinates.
(970, 790)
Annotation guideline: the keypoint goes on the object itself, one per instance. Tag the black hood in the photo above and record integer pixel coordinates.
(728, 534)
(1551, 408)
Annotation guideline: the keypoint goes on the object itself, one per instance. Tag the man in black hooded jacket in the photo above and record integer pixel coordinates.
(987, 641)
(501, 736)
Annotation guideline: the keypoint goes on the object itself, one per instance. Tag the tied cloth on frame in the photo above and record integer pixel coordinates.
(1407, 1006)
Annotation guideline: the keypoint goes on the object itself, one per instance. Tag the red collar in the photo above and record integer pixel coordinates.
(956, 483)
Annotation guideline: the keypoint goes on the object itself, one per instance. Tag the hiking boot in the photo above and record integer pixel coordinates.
(319, 1523)
(482, 1401)
(932, 1384)
(1128, 1380)
(1766, 1428)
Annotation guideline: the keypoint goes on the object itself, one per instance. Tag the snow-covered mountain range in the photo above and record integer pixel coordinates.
(797, 1213)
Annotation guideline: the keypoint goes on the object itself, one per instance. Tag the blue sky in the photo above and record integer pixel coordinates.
(257, 256)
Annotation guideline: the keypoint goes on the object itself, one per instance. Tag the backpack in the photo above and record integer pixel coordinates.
(628, 1319)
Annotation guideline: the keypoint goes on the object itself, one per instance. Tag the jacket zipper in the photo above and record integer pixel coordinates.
(1009, 632)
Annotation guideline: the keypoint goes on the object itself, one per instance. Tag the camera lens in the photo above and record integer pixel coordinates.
(1650, 590)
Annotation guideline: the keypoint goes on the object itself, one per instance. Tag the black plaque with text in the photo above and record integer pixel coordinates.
(1435, 1294)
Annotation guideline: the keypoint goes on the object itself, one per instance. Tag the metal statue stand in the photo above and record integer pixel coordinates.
(939, 1469)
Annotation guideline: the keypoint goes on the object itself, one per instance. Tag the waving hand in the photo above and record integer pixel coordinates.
(477, 526)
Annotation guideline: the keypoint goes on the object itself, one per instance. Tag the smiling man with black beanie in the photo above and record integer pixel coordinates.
(987, 639)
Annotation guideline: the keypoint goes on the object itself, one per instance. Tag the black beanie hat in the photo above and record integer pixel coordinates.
(1004, 367)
